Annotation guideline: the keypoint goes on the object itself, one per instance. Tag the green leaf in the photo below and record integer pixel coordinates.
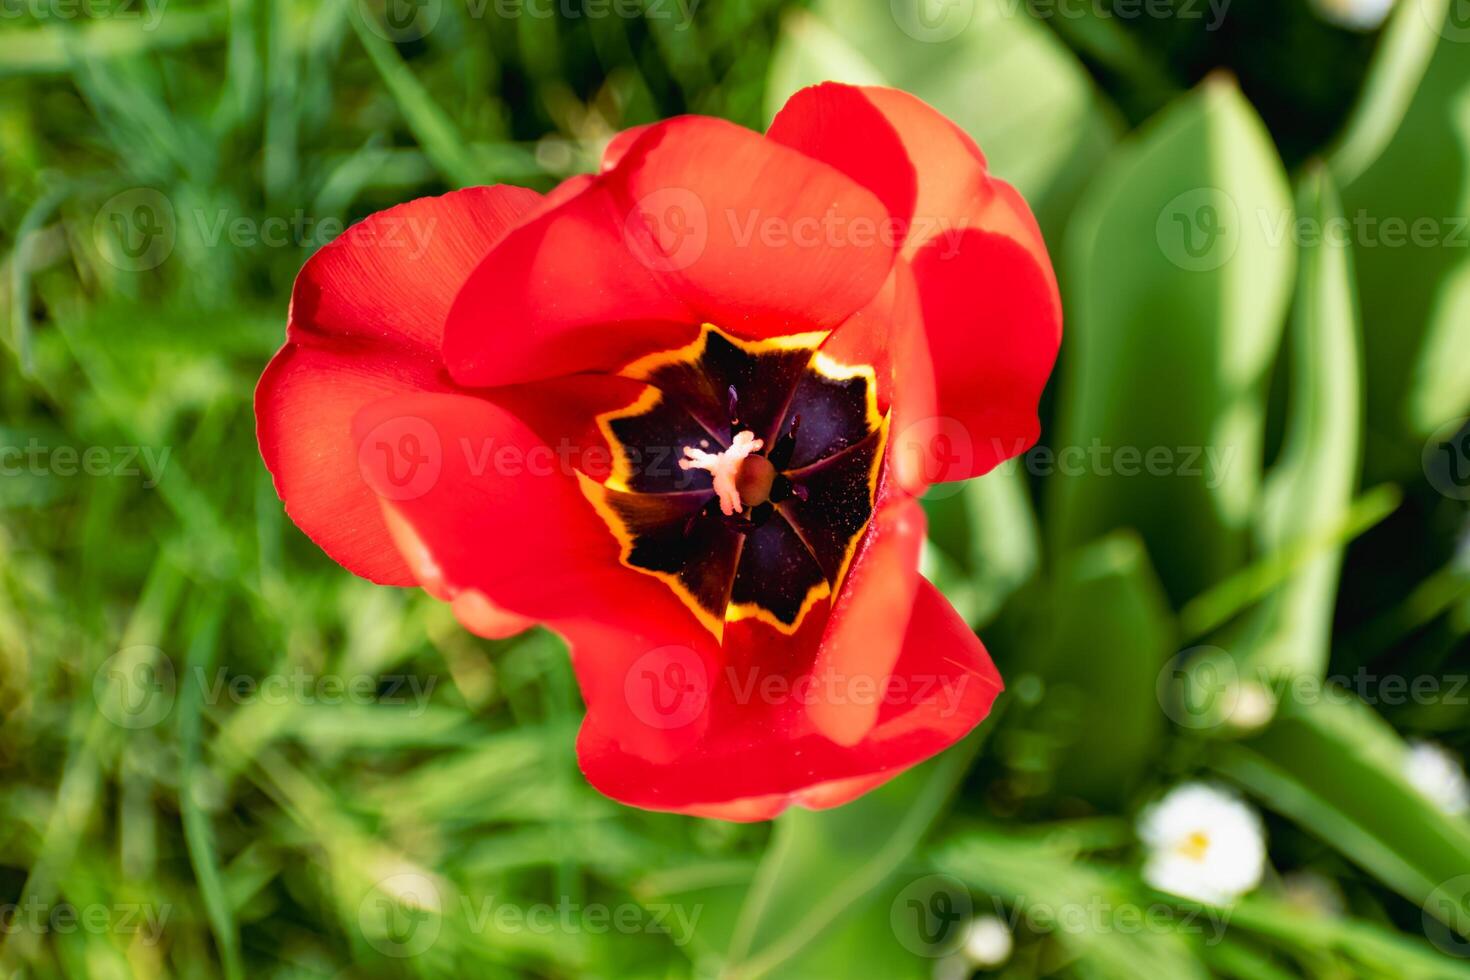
(1404, 165)
(1221, 602)
(1178, 268)
(1332, 765)
(820, 864)
(52, 49)
(989, 66)
(199, 835)
(1113, 633)
(983, 541)
(433, 129)
(1310, 490)
(1040, 877)
(1386, 952)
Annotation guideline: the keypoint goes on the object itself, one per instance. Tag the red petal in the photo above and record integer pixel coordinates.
(699, 221)
(889, 334)
(839, 125)
(393, 275)
(992, 325)
(474, 611)
(866, 629)
(482, 617)
(751, 764)
(304, 406)
(990, 305)
(616, 147)
(822, 796)
(866, 131)
(501, 511)
(366, 315)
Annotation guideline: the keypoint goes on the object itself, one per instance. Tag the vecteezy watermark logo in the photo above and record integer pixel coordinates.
(400, 21)
(1187, 10)
(1099, 914)
(1199, 230)
(135, 230)
(932, 21)
(135, 687)
(1204, 687)
(667, 687)
(667, 229)
(940, 450)
(1450, 18)
(145, 922)
(1446, 916)
(566, 917)
(1199, 687)
(928, 917)
(36, 458)
(401, 457)
(401, 915)
(149, 12)
(1447, 459)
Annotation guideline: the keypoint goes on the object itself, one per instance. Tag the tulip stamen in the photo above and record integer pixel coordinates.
(725, 466)
(786, 445)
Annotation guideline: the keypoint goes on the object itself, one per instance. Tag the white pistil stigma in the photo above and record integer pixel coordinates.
(724, 467)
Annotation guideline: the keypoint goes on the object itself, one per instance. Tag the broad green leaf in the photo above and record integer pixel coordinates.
(1332, 765)
(988, 65)
(1393, 77)
(717, 889)
(1177, 271)
(820, 865)
(867, 942)
(1372, 947)
(1222, 602)
(1404, 167)
(1310, 489)
(1111, 633)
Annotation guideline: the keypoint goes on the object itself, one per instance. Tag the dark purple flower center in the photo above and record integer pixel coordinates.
(801, 499)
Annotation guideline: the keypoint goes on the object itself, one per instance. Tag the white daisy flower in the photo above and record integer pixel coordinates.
(1204, 843)
(1254, 707)
(1437, 774)
(988, 942)
(1357, 15)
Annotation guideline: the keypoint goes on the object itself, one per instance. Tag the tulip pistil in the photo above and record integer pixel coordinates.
(731, 469)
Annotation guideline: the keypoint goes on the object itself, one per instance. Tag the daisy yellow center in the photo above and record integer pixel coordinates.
(1195, 846)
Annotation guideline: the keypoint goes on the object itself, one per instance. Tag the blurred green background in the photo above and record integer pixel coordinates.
(1240, 554)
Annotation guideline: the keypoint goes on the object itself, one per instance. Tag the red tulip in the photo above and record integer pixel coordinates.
(678, 412)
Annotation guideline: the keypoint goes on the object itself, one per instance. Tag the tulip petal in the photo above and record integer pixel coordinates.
(992, 330)
(366, 316)
(841, 126)
(752, 763)
(866, 629)
(991, 310)
(700, 221)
